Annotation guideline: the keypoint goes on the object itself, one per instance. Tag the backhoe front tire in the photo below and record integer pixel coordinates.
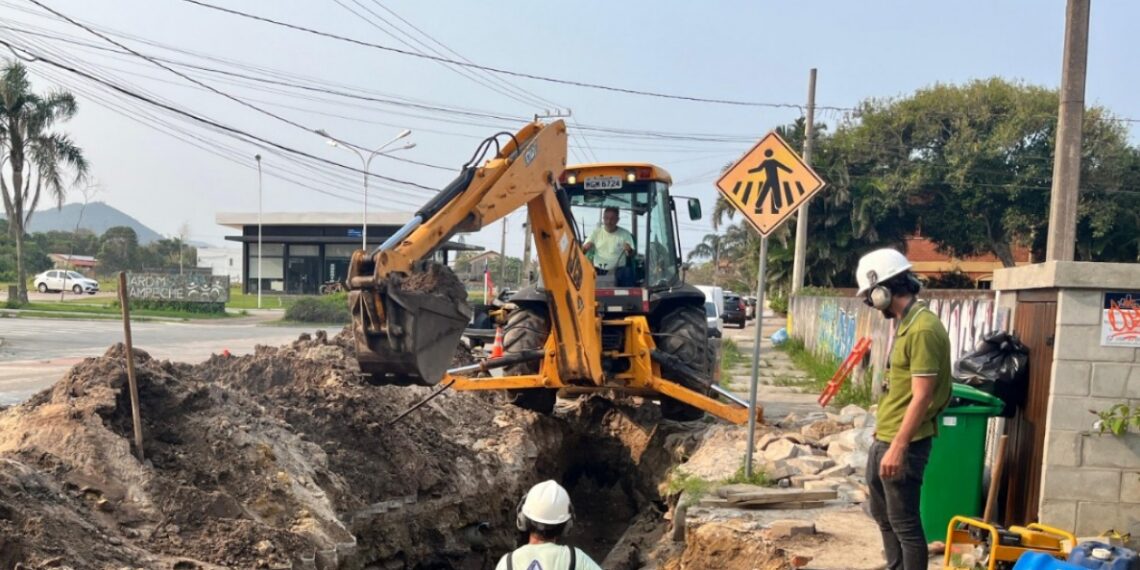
(527, 328)
(683, 332)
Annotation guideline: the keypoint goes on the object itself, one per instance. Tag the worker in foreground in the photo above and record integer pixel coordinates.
(918, 389)
(545, 514)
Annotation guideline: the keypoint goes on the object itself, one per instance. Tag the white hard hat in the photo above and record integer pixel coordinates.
(878, 266)
(547, 503)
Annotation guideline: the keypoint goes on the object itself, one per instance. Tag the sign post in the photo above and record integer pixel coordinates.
(766, 185)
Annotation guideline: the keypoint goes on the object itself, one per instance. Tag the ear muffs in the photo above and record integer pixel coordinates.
(880, 297)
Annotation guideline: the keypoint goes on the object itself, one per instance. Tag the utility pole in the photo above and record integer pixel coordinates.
(526, 253)
(802, 215)
(503, 256)
(1067, 158)
(257, 157)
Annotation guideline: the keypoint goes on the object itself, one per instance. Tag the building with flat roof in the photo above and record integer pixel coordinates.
(300, 251)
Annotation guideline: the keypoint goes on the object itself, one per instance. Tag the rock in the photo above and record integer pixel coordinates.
(857, 496)
(821, 485)
(766, 440)
(837, 449)
(858, 439)
(850, 411)
(789, 420)
(788, 528)
(810, 465)
(799, 480)
(865, 420)
(856, 460)
(799, 560)
(104, 505)
(264, 547)
(777, 470)
(820, 429)
(837, 471)
(783, 449)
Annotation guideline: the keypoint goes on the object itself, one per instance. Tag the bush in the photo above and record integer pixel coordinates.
(778, 302)
(324, 309)
(174, 306)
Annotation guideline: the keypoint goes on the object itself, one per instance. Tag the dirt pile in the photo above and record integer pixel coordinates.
(280, 459)
(285, 459)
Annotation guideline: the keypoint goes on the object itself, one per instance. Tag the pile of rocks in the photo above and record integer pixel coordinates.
(821, 451)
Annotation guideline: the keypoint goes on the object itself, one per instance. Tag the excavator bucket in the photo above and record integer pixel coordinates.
(407, 328)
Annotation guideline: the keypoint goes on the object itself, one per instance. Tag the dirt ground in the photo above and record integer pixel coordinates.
(285, 459)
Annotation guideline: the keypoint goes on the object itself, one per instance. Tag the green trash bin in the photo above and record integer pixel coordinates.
(952, 484)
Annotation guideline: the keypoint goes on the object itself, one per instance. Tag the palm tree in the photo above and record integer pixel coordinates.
(32, 152)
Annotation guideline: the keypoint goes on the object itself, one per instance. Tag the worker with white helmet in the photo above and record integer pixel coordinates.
(545, 514)
(918, 388)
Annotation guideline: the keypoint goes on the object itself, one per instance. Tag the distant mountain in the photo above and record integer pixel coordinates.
(97, 217)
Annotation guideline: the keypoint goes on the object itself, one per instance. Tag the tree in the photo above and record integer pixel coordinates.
(35, 256)
(973, 163)
(118, 249)
(37, 158)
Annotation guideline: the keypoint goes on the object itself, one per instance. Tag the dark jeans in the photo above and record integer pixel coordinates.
(894, 505)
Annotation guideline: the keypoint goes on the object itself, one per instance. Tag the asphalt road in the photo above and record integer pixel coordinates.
(34, 353)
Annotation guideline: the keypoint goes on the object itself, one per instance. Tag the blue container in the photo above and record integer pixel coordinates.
(1105, 558)
(1042, 561)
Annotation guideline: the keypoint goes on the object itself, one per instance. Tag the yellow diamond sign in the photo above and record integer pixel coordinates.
(769, 183)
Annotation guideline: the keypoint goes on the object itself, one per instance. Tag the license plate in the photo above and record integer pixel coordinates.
(603, 183)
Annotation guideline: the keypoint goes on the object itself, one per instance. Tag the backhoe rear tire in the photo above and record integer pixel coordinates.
(527, 329)
(683, 332)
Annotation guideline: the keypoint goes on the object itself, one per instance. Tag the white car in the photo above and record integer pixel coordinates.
(61, 280)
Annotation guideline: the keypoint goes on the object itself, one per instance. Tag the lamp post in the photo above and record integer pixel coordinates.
(257, 157)
(366, 162)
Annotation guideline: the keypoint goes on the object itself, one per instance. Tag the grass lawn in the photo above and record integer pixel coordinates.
(820, 369)
(239, 300)
(108, 310)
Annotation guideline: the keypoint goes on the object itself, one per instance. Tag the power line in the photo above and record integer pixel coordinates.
(210, 122)
(569, 82)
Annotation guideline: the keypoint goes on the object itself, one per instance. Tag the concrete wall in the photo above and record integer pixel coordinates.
(831, 325)
(1090, 482)
(188, 287)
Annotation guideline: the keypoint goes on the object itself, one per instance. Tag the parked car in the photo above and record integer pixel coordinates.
(734, 310)
(712, 317)
(61, 280)
(750, 307)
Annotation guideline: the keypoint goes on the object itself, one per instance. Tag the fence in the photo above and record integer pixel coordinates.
(192, 288)
(830, 326)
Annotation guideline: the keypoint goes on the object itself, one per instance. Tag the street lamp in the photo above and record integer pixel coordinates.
(257, 157)
(366, 162)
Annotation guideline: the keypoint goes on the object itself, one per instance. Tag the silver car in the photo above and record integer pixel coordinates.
(62, 280)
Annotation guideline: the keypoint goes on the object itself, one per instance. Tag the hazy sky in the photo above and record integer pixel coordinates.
(754, 51)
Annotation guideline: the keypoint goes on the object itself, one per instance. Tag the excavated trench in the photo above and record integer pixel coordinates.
(285, 459)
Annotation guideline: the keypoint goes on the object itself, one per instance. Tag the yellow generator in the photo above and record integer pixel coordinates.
(973, 544)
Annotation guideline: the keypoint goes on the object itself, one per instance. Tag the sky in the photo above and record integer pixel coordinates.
(757, 51)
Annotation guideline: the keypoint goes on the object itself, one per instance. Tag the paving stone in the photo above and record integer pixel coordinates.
(812, 464)
(837, 471)
(821, 485)
(799, 480)
(784, 449)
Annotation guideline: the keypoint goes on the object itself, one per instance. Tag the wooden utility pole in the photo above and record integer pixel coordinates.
(802, 215)
(1067, 158)
(136, 416)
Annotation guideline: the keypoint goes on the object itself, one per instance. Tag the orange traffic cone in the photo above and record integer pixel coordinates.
(497, 349)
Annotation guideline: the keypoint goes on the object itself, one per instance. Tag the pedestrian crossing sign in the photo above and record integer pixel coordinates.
(769, 183)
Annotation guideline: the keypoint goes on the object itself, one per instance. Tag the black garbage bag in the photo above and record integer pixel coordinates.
(998, 365)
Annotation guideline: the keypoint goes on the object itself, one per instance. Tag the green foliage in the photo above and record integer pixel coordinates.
(730, 355)
(759, 478)
(175, 306)
(821, 292)
(35, 256)
(1119, 419)
(951, 280)
(118, 249)
(778, 301)
(323, 309)
(820, 370)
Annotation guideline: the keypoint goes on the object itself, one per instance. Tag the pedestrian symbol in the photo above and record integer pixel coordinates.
(769, 183)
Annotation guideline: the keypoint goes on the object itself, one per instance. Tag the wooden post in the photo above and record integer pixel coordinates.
(124, 301)
(995, 480)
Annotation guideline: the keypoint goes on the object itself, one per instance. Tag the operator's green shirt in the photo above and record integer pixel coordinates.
(922, 347)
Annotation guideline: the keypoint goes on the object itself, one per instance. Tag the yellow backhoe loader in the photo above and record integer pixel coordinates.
(634, 326)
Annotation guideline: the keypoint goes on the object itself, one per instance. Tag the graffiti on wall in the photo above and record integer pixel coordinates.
(830, 326)
(189, 288)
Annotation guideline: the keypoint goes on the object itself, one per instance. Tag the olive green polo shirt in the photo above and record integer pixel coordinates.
(922, 347)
